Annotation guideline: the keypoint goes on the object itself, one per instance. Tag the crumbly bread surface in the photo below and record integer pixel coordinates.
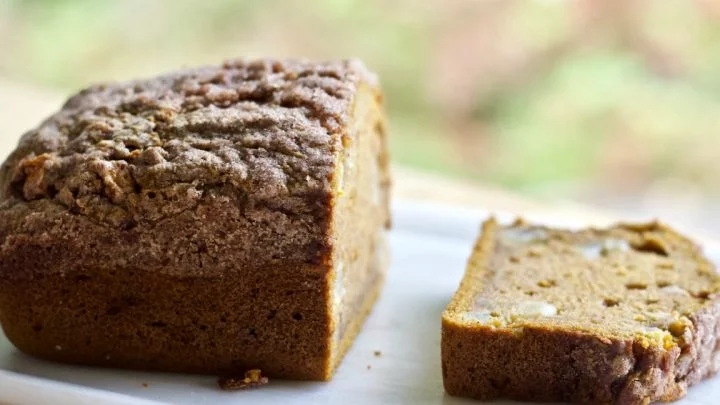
(260, 133)
(624, 315)
(189, 222)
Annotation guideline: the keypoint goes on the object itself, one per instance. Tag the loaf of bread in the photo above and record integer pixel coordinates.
(624, 315)
(211, 220)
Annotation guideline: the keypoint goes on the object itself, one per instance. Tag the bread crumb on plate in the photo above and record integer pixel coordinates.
(251, 379)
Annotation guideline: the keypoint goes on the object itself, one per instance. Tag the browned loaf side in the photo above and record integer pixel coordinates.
(211, 220)
(625, 315)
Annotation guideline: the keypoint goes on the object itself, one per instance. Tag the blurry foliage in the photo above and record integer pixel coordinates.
(613, 92)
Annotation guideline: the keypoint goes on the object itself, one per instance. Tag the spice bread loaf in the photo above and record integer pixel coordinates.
(211, 220)
(624, 315)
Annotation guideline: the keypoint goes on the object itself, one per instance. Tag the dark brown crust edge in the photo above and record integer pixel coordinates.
(545, 365)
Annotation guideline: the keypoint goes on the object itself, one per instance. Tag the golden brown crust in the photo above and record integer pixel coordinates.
(554, 355)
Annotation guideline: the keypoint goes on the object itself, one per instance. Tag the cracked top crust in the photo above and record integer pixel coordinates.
(262, 129)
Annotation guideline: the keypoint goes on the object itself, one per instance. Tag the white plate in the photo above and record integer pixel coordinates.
(430, 244)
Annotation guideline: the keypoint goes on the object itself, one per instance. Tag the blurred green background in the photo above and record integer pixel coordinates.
(614, 102)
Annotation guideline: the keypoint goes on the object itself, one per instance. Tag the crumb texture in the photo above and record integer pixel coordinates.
(142, 150)
(620, 281)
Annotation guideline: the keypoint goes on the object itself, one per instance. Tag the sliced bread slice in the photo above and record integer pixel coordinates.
(624, 315)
